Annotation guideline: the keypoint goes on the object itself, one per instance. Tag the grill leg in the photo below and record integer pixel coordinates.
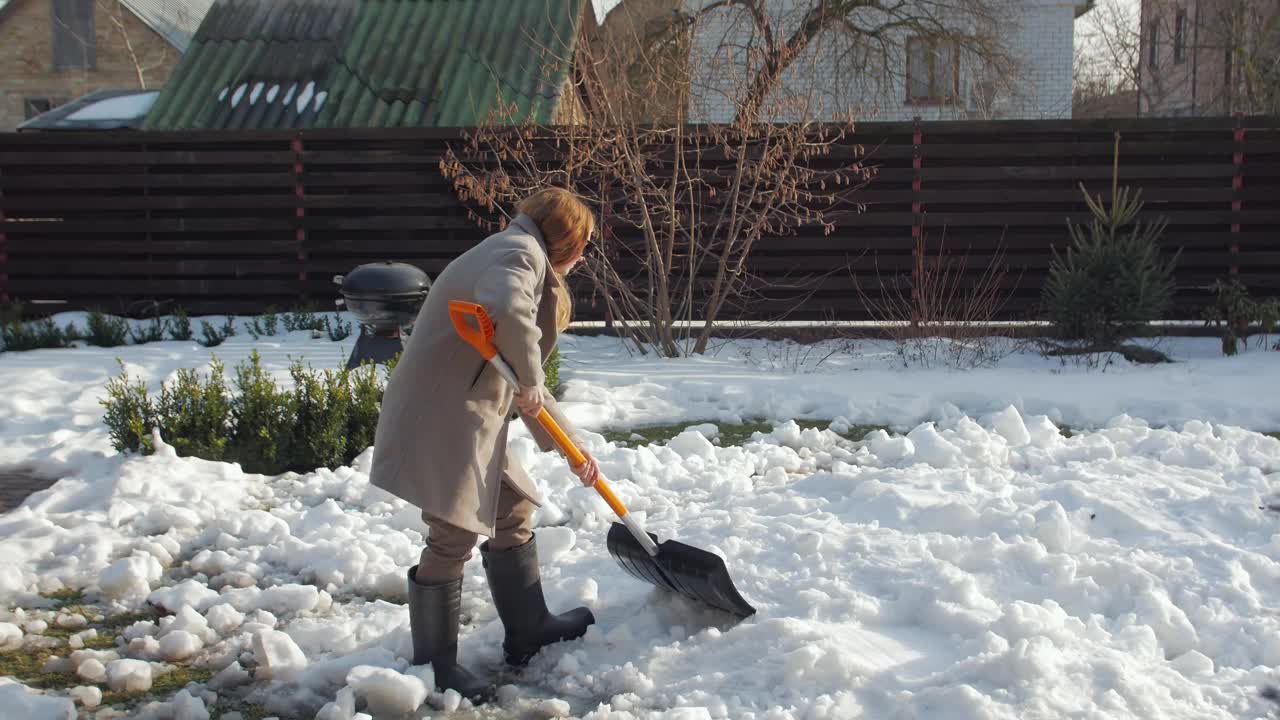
(378, 348)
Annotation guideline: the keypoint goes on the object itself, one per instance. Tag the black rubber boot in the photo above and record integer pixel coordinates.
(433, 619)
(516, 586)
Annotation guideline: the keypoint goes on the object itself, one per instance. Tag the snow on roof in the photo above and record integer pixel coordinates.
(175, 20)
(122, 107)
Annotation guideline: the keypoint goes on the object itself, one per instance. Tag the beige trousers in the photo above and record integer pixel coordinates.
(449, 547)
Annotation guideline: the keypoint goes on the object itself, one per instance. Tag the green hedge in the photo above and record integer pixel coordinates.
(552, 372)
(325, 419)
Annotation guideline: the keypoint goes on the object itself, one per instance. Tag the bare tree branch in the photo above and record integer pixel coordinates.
(682, 207)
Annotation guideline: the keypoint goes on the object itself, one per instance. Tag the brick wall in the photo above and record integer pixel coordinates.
(822, 81)
(26, 57)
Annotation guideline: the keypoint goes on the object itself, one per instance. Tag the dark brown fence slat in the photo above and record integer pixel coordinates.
(221, 221)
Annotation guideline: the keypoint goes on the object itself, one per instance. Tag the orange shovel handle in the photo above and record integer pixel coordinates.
(576, 457)
(480, 336)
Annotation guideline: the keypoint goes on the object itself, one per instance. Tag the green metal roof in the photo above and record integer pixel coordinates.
(369, 63)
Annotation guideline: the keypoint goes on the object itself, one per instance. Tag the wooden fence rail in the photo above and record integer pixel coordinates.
(237, 221)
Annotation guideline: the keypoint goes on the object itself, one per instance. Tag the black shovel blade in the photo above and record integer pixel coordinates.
(684, 569)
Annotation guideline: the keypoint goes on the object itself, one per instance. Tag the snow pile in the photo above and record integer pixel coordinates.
(130, 576)
(979, 562)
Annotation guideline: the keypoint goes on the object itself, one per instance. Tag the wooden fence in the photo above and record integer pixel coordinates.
(238, 221)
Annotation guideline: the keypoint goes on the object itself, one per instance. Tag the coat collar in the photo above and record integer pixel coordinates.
(526, 223)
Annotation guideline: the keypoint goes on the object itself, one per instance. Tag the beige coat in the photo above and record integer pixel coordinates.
(441, 441)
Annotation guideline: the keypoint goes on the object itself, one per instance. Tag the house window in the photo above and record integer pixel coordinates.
(933, 70)
(74, 44)
(1180, 36)
(33, 106)
(1153, 35)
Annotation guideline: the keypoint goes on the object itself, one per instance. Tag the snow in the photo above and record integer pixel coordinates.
(19, 702)
(10, 636)
(602, 8)
(129, 576)
(387, 691)
(187, 620)
(222, 619)
(188, 707)
(70, 620)
(77, 641)
(279, 656)
(129, 675)
(343, 707)
(92, 671)
(554, 708)
(450, 700)
(932, 448)
(86, 695)
(304, 98)
(179, 645)
(229, 677)
(117, 108)
(975, 561)
(188, 593)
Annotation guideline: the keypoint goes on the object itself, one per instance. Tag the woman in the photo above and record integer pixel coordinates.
(441, 441)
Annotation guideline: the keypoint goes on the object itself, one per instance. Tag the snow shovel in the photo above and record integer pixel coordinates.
(675, 566)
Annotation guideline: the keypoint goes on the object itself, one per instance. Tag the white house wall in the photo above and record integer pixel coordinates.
(1040, 42)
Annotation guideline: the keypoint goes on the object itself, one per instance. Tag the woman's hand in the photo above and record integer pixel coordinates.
(529, 400)
(587, 472)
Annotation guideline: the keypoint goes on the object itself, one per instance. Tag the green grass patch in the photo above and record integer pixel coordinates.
(1275, 435)
(104, 641)
(248, 711)
(730, 433)
(56, 631)
(64, 596)
(117, 623)
(25, 665)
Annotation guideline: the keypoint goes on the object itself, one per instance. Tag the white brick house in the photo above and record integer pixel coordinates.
(911, 76)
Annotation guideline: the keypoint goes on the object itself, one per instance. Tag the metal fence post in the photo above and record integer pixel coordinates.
(917, 223)
(4, 253)
(1237, 184)
(147, 243)
(299, 211)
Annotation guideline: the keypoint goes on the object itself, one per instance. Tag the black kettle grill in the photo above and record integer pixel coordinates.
(384, 298)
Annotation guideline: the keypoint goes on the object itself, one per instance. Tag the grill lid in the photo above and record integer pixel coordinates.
(384, 280)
